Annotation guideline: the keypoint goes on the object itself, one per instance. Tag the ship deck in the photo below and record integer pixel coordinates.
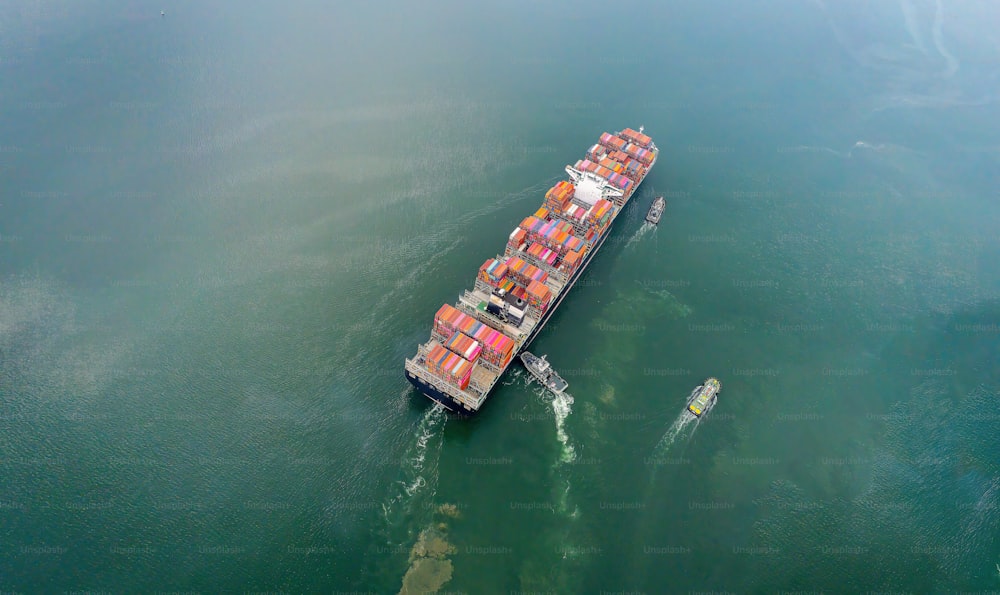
(481, 381)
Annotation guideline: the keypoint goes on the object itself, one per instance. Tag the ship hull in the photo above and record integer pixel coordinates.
(436, 395)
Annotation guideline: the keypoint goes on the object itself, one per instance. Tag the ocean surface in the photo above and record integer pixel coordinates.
(224, 228)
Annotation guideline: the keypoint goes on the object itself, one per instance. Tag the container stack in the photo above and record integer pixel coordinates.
(575, 214)
(571, 261)
(516, 239)
(539, 295)
(542, 213)
(524, 273)
(586, 165)
(619, 156)
(558, 197)
(570, 243)
(559, 237)
(612, 165)
(636, 152)
(493, 272)
(449, 320)
(612, 142)
(450, 366)
(603, 172)
(596, 152)
(634, 169)
(637, 137)
(600, 214)
(543, 254)
(532, 226)
(465, 346)
(555, 235)
(620, 181)
(497, 348)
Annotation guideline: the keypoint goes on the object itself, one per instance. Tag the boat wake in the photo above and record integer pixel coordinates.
(645, 229)
(684, 426)
(562, 406)
(414, 493)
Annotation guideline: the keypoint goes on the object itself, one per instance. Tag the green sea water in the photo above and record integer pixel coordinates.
(224, 228)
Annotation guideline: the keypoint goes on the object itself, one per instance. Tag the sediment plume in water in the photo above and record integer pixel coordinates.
(430, 569)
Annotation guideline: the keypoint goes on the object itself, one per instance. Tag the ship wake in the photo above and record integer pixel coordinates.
(683, 427)
(562, 406)
(645, 229)
(414, 493)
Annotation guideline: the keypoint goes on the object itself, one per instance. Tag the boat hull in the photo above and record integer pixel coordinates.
(436, 395)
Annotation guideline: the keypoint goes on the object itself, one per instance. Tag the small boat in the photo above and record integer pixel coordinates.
(656, 210)
(539, 368)
(704, 397)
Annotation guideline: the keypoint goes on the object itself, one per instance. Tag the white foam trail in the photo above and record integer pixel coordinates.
(562, 406)
(420, 464)
(640, 233)
(683, 427)
(952, 67)
(863, 145)
(683, 421)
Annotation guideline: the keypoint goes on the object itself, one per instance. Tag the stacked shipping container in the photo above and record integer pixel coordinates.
(543, 254)
(555, 235)
(596, 152)
(493, 272)
(517, 238)
(465, 346)
(450, 366)
(612, 142)
(643, 155)
(539, 295)
(495, 347)
(600, 214)
(524, 273)
(612, 165)
(637, 137)
(575, 213)
(558, 197)
(572, 260)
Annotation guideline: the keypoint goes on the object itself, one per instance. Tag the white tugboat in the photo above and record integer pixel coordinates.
(656, 210)
(540, 369)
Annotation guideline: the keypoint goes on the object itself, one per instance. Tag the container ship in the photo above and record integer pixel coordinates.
(474, 341)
